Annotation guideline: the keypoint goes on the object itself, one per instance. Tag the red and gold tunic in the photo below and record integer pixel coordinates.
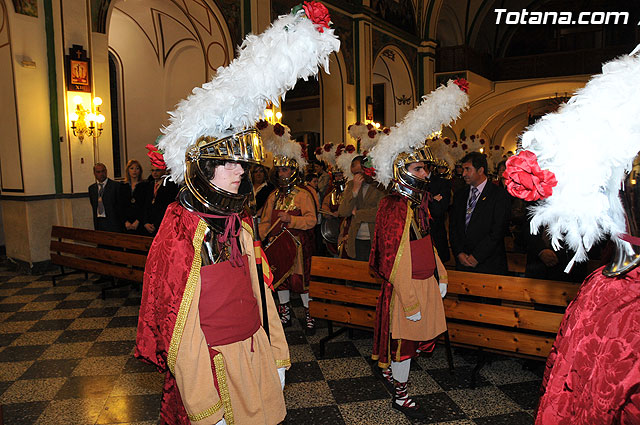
(300, 205)
(407, 268)
(593, 369)
(213, 368)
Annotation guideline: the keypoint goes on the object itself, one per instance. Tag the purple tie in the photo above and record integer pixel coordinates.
(471, 204)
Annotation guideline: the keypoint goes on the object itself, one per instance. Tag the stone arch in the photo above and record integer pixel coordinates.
(392, 69)
(502, 113)
(166, 48)
(332, 100)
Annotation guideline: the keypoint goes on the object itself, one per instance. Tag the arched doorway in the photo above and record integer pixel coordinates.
(160, 51)
(393, 86)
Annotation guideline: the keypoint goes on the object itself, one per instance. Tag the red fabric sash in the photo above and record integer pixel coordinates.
(423, 261)
(228, 308)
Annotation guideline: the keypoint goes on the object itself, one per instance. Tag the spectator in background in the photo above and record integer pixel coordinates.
(440, 190)
(311, 183)
(478, 220)
(320, 168)
(159, 194)
(132, 198)
(457, 181)
(261, 187)
(360, 202)
(103, 195)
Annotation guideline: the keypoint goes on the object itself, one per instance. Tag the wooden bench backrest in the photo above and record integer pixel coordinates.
(100, 252)
(495, 327)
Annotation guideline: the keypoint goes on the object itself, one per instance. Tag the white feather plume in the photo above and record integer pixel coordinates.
(343, 161)
(282, 145)
(438, 108)
(266, 67)
(329, 157)
(589, 144)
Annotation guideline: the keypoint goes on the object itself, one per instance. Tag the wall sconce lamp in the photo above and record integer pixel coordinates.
(271, 117)
(80, 117)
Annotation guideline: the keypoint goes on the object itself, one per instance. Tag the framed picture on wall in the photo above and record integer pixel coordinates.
(78, 70)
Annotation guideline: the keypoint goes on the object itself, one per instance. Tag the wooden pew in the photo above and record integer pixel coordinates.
(504, 314)
(345, 292)
(115, 255)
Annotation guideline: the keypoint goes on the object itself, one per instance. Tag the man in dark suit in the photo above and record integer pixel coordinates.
(103, 195)
(440, 190)
(478, 220)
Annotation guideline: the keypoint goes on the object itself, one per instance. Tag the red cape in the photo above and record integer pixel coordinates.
(593, 370)
(390, 223)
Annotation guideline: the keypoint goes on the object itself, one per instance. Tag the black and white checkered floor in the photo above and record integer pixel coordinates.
(66, 358)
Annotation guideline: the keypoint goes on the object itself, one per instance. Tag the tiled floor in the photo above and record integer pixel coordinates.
(66, 358)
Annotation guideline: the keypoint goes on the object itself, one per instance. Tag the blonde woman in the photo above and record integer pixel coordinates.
(132, 193)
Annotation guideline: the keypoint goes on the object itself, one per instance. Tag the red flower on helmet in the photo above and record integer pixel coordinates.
(327, 147)
(526, 180)
(482, 141)
(386, 130)
(462, 84)
(369, 171)
(156, 157)
(369, 126)
(318, 151)
(447, 141)
(350, 149)
(262, 124)
(339, 149)
(463, 138)
(318, 14)
(372, 134)
(278, 129)
(472, 137)
(454, 144)
(464, 146)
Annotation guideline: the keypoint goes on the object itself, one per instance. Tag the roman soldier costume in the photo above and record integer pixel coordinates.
(592, 373)
(409, 313)
(207, 319)
(289, 245)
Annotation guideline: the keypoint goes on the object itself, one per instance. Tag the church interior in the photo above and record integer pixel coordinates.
(91, 81)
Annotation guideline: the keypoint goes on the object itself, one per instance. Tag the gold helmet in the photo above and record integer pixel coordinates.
(406, 183)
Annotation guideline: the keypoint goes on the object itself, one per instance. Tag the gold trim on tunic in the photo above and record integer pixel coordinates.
(205, 414)
(405, 235)
(221, 376)
(187, 297)
(283, 363)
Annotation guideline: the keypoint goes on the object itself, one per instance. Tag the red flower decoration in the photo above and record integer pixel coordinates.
(454, 145)
(278, 129)
(262, 124)
(464, 146)
(318, 151)
(156, 157)
(472, 137)
(339, 149)
(386, 130)
(463, 138)
(305, 150)
(447, 141)
(365, 153)
(350, 149)
(462, 84)
(372, 134)
(318, 14)
(369, 126)
(327, 147)
(358, 123)
(525, 179)
(369, 171)
(482, 141)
